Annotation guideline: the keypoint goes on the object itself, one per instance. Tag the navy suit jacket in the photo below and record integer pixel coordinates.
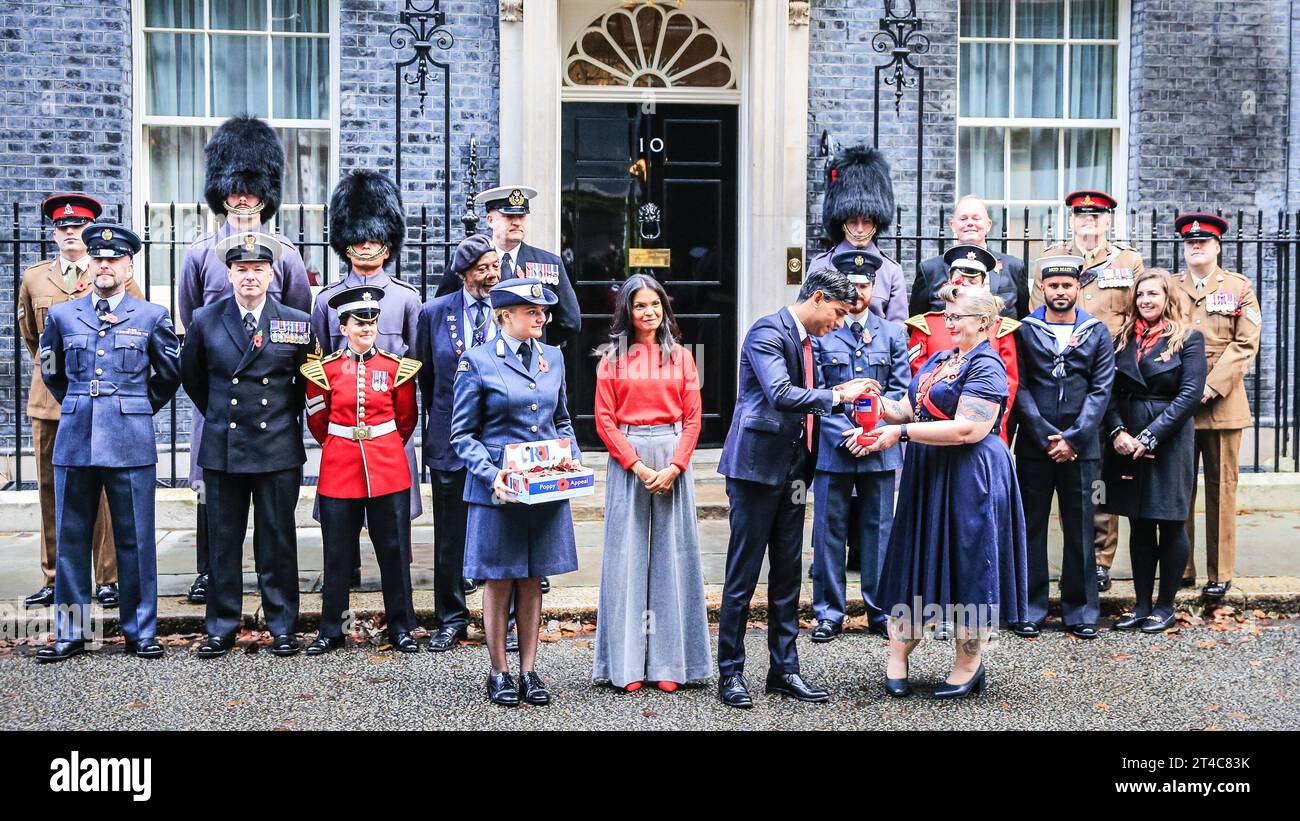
(566, 317)
(767, 429)
(136, 361)
(440, 339)
(840, 357)
(1010, 283)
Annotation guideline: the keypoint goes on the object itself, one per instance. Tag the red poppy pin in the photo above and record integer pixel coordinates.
(257, 339)
(542, 365)
(1165, 357)
(110, 318)
(1074, 342)
(81, 286)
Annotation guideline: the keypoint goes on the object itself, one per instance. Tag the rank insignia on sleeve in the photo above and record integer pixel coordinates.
(1253, 315)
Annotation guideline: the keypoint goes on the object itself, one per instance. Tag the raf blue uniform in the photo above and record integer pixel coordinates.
(876, 349)
(1064, 389)
(499, 401)
(111, 371)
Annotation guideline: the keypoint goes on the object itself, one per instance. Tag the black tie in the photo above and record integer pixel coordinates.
(480, 330)
(507, 267)
(250, 324)
(102, 307)
(856, 328)
(526, 355)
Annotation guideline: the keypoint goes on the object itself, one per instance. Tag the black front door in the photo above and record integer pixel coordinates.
(655, 193)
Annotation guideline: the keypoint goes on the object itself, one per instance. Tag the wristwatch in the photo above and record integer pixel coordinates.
(902, 434)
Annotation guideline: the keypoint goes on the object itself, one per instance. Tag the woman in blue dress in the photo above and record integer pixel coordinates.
(506, 392)
(956, 555)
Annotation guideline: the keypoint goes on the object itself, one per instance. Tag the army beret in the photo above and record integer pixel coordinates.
(469, 252)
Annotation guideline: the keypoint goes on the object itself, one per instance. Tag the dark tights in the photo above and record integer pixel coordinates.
(1169, 551)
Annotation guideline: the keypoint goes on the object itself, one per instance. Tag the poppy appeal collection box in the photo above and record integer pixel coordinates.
(544, 471)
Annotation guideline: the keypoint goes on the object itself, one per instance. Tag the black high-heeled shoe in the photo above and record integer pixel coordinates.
(974, 685)
(898, 687)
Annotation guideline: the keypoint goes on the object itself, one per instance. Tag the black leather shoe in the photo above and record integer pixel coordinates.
(501, 689)
(324, 644)
(60, 651)
(533, 690)
(285, 645)
(898, 687)
(403, 643)
(1158, 624)
(546, 584)
(1103, 579)
(41, 598)
(734, 693)
(445, 639)
(1027, 629)
(512, 642)
(147, 648)
(199, 590)
(468, 586)
(1216, 590)
(1188, 582)
(1083, 631)
(106, 595)
(1129, 622)
(826, 630)
(793, 686)
(215, 646)
(974, 685)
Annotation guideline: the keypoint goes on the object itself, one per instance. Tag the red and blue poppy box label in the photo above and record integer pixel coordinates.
(544, 471)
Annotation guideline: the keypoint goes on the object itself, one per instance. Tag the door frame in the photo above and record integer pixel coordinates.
(768, 41)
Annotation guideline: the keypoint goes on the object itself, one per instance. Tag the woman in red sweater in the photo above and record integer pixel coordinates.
(652, 624)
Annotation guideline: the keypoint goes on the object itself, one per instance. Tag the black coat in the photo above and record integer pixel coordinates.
(1009, 283)
(1068, 397)
(1159, 393)
(251, 398)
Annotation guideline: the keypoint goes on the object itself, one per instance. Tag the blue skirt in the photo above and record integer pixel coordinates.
(518, 541)
(957, 549)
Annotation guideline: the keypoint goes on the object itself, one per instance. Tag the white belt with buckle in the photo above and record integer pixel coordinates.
(362, 432)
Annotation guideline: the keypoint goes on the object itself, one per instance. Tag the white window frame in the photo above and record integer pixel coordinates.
(141, 181)
(1118, 125)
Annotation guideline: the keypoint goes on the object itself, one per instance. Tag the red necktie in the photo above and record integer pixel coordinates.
(808, 383)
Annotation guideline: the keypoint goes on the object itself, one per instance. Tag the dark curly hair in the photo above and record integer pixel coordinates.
(621, 334)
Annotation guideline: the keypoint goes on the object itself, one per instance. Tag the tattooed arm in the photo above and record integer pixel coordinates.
(897, 411)
(974, 420)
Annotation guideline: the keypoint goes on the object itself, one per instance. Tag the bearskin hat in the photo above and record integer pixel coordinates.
(857, 185)
(243, 157)
(366, 205)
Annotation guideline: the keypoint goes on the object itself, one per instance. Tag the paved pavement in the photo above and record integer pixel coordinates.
(1225, 675)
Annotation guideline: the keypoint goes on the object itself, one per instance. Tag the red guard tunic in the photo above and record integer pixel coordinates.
(929, 335)
(362, 412)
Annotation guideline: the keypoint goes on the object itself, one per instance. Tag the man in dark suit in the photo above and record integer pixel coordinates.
(768, 461)
(448, 326)
(507, 218)
(240, 366)
(1067, 367)
(111, 362)
(970, 225)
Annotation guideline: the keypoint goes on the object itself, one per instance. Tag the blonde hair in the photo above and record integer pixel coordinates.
(982, 300)
(1176, 329)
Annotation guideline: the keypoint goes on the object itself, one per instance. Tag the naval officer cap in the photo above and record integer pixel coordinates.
(361, 301)
(65, 210)
(249, 246)
(970, 259)
(1062, 265)
(107, 240)
(522, 291)
(858, 264)
(1201, 226)
(508, 199)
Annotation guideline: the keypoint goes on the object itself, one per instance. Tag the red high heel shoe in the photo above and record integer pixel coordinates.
(667, 686)
(632, 687)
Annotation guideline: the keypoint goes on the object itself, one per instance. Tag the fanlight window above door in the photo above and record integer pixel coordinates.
(649, 47)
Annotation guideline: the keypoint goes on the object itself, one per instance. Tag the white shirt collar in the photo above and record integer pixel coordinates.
(82, 264)
(256, 312)
(514, 255)
(803, 332)
(515, 344)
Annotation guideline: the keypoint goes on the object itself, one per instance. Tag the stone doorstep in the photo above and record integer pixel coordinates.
(1279, 594)
(20, 510)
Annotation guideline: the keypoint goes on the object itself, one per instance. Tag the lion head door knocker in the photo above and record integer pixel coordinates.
(648, 218)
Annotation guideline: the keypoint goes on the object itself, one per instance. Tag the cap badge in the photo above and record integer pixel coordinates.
(367, 297)
(106, 235)
(67, 210)
(250, 242)
(1087, 200)
(535, 292)
(859, 260)
(517, 198)
(970, 255)
(1196, 226)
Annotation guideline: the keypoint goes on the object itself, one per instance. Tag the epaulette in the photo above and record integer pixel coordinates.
(1123, 246)
(886, 256)
(918, 322)
(403, 284)
(1008, 326)
(314, 370)
(203, 238)
(332, 356)
(406, 368)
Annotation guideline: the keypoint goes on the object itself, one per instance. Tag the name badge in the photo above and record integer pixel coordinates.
(547, 273)
(1115, 278)
(290, 331)
(1221, 302)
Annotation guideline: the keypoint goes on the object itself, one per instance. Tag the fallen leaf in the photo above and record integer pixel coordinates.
(548, 638)
(136, 705)
(377, 680)
(1004, 705)
(234, 702)
(1238, 715)
(306, 697)
(1049, 673)
(1260, 614)
(379, 659)
(1101, 705)
(1205, 644)
(1121, 657)
(1210, 708)
(648, 713)
(1213, 728)
(583, 645)
(1256, 664)
(1279, 693)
